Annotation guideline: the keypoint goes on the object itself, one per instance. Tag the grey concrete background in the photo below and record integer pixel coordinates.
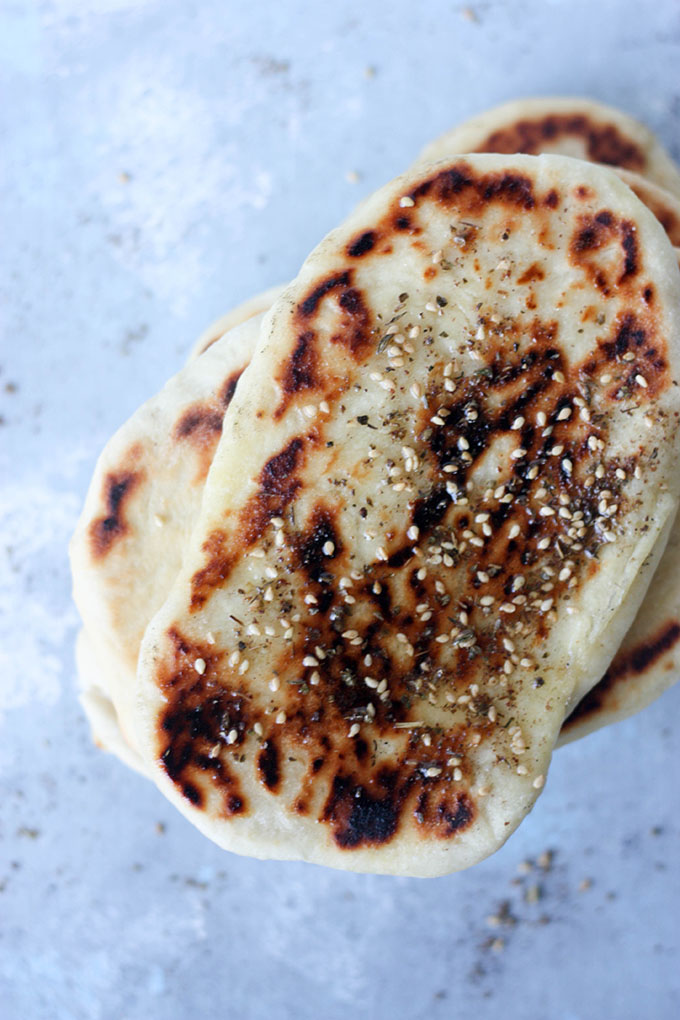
(162, 160)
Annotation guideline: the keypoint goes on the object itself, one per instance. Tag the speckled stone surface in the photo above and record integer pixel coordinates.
(162, 160)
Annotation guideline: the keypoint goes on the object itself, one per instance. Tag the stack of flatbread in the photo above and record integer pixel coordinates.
(399, 529)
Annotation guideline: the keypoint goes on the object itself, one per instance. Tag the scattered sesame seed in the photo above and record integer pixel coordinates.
(280, 717)
(258, 728)
(538, 782)
(517, 423)
(232, 736)
(641, 381)
(514, 531)
(406, 202)
(274, 683)
(328, 548)
(199, 666)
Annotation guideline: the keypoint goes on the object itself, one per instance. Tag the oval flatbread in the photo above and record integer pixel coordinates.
(462, 474)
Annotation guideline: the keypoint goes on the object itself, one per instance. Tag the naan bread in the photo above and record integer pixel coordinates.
(574, 127)
(462, 474)
(140, 509)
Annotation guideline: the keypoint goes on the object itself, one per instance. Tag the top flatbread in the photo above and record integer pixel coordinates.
(465, 444)
(574, 127)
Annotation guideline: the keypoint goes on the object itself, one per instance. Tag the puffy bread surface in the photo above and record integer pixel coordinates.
(571, 126)
(446, 478)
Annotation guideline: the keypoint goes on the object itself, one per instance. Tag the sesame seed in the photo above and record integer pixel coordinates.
(234, 658)
(258, 728)
(558, 377)
(546, 605)
(432, 772)
(354, 730)
(232, 736)
(522, 770)
(546, 511)
(641, 381)
(416, 724)
(541, 419)
(517, 423)
(437, 420)
(158, 520)
(243, 668)
(543, 543)
(506, 607)
(253, 630)
(629, 356)
(486, 600)
(380, 553)
(514, 531)
(199, 666)
(311, 600)
(564, 414)
(406, 202)
(280, 717)
(518, 453)
(309, 660)
(328, 549)
(309, 410)
(538, 782)
(324, 408)
(584, 414)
